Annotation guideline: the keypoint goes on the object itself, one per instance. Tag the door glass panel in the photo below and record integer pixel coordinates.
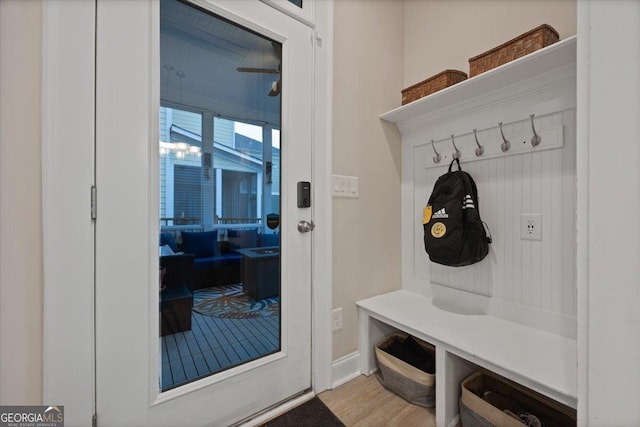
(297, 3)
(219, 207)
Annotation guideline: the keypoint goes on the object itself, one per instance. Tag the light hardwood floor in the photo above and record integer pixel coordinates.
(364, 402)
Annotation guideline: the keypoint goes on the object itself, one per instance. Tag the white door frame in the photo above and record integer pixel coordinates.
(68, 122)
(68, 80)
(607, 158)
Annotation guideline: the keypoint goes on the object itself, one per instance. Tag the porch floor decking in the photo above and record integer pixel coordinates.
(214, 344)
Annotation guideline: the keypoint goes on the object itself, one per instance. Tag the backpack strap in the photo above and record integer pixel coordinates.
(451, 164)
(488, 232)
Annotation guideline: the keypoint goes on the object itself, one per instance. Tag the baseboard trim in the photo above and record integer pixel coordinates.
(454, 422)
(345, 369)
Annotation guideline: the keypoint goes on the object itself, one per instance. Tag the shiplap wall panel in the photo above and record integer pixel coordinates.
(538, 274)
(422, 188)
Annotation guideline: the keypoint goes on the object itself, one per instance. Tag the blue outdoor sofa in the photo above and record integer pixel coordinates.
(216, 262)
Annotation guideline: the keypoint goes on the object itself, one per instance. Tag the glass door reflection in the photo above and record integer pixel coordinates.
(219, 194)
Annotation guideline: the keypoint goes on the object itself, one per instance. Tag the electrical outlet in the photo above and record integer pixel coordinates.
(531, 226)
(337, 319)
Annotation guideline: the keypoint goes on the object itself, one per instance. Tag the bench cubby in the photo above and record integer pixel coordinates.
(539, 360)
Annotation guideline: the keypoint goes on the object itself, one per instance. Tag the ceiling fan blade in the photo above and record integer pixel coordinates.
(257, 70)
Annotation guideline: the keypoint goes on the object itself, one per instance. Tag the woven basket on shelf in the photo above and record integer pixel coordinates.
(432, 84)
(412, 384)
(529, 42)
(488, 400)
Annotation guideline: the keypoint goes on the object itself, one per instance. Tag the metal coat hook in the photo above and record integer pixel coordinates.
(437, 157)
(456, 154)
(506, 145)
(535, 139)
(480, 149)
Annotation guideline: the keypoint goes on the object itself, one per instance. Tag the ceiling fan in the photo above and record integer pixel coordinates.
(275, 86)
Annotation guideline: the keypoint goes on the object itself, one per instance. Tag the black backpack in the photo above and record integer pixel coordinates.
(454, 234)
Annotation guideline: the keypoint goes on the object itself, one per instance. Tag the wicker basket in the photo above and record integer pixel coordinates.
(491, 401)
(539, 37)
(432, 84)
(410, 383)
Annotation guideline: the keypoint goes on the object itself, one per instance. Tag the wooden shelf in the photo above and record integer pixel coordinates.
(556, 56)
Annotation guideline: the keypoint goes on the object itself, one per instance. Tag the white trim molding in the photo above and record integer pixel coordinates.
(608, 247)
(346, 368)
(322, 155)
(68, 78)
(304, 14)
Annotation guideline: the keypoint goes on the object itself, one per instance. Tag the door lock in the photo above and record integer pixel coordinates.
(305, 226)
(304, 194)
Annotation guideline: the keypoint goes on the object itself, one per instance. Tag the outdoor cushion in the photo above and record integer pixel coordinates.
(201, 243)
(268, 240)
(207, 262)
(240, 239)
(169, 239)
(233, 257)
(166, 250)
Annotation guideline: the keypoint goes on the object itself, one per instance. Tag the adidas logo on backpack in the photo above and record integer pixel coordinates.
(454, 234)
(442, 213)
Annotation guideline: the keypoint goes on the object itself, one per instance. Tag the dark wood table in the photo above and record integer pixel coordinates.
(261, 271)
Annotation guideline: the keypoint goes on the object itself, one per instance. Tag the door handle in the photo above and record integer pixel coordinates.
(305, 226)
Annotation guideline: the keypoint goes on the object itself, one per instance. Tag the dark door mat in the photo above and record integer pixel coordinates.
(313, 413)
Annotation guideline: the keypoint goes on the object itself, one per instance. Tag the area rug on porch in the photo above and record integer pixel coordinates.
(232, 302)
(313, 413)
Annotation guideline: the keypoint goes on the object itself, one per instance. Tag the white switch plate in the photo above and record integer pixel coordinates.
(531, 226)
(345, 186)
(337, 319)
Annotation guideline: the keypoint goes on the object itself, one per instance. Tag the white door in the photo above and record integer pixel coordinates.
(129, 86)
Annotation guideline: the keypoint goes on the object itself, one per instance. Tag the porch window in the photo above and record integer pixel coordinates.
(227, 181)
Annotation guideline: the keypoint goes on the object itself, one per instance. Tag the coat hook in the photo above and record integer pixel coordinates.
(437, 157)
(506, 144)
(535, 139)
(480, 149)
(456, 154)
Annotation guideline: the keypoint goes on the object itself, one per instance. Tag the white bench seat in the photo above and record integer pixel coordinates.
(536, 359)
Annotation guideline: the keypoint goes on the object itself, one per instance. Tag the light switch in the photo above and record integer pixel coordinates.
(345, 186)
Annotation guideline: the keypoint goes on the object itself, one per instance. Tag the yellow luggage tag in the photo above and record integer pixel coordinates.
(427, 215)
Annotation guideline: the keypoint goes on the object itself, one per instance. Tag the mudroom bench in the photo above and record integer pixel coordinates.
(540, 360)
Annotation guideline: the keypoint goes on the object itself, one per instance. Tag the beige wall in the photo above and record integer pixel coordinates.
(20, 203)
(441, 34)
(380, 48)
(367, 81)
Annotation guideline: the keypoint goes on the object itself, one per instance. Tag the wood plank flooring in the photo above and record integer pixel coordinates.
(215, 344)
(363, 402)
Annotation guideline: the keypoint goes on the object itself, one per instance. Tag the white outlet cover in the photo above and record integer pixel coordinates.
(531, 226)
(337, 319)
